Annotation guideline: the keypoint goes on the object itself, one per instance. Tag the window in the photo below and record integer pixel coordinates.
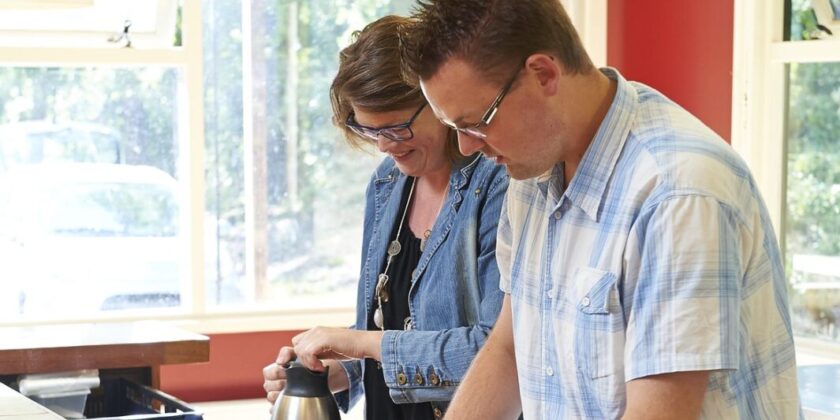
(182, 179)
(88, 23)
(787, 126)
(193, 176)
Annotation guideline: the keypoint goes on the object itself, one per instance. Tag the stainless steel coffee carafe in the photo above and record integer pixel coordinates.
(306, 396)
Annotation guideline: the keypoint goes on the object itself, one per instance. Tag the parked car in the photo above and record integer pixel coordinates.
(38, 141)
(84, 237)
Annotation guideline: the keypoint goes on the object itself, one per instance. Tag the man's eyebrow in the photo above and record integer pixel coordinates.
(458, 121)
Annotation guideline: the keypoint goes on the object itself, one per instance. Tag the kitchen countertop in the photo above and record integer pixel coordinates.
(68, 347)
(14, 406)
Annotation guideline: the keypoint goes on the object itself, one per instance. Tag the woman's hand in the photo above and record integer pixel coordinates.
(274, 375)
(335, 343)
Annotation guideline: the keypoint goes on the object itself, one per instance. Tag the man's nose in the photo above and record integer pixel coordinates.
(468, 144)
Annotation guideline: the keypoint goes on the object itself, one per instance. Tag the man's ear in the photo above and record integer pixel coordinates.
(547, 70)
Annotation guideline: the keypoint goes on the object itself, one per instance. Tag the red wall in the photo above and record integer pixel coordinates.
(233, 372)
(681, 48)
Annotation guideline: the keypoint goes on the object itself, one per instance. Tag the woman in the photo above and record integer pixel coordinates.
(428, 293)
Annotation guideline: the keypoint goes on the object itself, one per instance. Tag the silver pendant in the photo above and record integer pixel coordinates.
(394, 248)
(377, 318)
(380, 292)
(422, 244)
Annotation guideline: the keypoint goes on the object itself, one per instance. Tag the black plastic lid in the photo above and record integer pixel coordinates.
(302, 382)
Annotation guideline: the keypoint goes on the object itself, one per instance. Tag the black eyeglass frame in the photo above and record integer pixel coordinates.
(473, 130)
(372, 133)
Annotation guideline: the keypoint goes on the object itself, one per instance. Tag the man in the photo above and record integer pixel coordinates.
(642, 275)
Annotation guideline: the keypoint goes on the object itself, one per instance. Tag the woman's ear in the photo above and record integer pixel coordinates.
(547, 71)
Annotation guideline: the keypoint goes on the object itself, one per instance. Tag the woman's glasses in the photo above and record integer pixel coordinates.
(399, 132)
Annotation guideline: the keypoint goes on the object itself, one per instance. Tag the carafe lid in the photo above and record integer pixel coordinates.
(302, 382)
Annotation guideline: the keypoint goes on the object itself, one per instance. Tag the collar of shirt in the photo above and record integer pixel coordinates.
(586, 190)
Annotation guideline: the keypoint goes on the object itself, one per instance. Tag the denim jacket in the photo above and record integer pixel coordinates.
(454, 298)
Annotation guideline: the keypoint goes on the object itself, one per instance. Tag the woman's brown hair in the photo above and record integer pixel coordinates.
(370, 76)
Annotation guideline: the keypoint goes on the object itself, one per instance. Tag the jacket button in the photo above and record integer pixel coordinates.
(434, 379)
(438, 413)
(401, 378)
(418, 379)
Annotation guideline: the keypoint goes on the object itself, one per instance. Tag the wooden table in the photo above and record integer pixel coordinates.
(135, 350)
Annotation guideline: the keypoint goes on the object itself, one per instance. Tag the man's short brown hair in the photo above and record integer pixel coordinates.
(493, 36)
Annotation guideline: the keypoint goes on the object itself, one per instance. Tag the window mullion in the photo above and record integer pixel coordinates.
(758, 98)
(86, 57)
(805, 51)
(192, 153)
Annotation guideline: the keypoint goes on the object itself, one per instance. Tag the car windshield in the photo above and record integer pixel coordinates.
(111, 210)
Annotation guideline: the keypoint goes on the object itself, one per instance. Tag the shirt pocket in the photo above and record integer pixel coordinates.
(598, 331)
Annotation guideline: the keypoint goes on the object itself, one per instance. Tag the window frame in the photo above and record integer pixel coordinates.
(759, 92)
(189, 60)
(86, 10)
(589, 16)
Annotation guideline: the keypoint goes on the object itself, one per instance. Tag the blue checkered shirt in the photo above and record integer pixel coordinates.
(659, 257)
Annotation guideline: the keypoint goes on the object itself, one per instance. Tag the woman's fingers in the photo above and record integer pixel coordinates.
(272, 389)
(273, 372)
(274, 381)
(286, 355)
(274, 386)
(311, 361)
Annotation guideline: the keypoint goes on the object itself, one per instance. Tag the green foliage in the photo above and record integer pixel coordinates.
(141, 104)
(813, 213)
(137, 103)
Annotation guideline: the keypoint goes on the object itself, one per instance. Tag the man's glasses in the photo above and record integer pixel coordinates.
(475, 130)
(399, 132)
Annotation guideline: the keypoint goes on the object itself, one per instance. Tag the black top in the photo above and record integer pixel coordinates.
(378, 404)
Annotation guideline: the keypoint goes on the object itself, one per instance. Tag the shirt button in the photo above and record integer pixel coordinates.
(557, 215)
(401, 379)
(585, 301)
(549, 372)
(438, 413)
(418, 379)
(434, 379)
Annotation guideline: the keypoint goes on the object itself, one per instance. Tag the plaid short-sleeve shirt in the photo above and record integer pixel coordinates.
(659, 257)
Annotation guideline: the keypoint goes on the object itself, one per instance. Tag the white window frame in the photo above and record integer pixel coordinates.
(760, 56)
(77, 17)
(590, 20)
(187, 58)
(589, 17)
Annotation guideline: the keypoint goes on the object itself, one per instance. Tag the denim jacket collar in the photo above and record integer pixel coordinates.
(388, 190)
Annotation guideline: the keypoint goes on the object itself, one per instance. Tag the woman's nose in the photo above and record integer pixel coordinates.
(382, 143)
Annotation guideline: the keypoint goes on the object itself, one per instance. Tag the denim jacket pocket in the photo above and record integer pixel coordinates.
(598, 332)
